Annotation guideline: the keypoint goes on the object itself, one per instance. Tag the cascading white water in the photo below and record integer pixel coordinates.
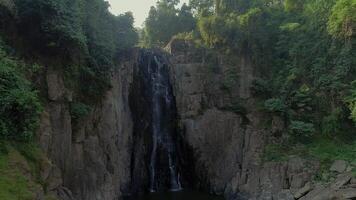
(161, 135)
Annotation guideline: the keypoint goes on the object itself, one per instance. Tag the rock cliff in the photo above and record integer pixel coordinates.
(93, 157)
(220, 134)
(223, 129)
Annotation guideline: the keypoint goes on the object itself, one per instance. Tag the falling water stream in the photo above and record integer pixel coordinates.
(161, 133)
(158, 101)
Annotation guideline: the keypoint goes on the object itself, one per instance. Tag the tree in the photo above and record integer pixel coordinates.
(56, 24)
(80, 31)
(342, 22)
(164, 21)
(20, 106)
(294, 5)
(186, 19)
(202, 5)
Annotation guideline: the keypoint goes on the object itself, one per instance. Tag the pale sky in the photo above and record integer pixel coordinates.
(139, 8)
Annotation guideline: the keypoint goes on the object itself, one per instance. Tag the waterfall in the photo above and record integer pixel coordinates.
(163, 144)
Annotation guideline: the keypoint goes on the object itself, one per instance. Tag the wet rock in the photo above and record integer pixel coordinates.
(339, 166)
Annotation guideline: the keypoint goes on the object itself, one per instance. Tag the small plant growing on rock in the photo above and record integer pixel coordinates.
(301, 130)
(79, 110)
(275, 105)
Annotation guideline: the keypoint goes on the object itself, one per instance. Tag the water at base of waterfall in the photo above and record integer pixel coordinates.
(181, 195)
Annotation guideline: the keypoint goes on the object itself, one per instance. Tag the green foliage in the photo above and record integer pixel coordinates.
(185, 36)
(13, 184)
(260, 87)
(83, 32)
(79, 110)
(324, 150)
(58, 22)
(304, 51)
(19, 103)
(237, 107)
(311, 71)
(329, 150)
(289, 26)
(202, 6)
(351, 100)
(3, 148)
(165, 21)
(301, 130)
(212, 28)
(294, 5)
(20, 171)
(275, 105)
(331, 124)
(234, 31)
(278, 152)
(342, 21)
(230, 79)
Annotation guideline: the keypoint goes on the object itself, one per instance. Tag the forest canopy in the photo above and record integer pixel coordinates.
(80, 38)
(303, 49)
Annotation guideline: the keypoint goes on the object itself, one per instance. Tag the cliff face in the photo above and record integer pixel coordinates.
(92, 159)
(220, 139)
(106, 154)
(223, 129)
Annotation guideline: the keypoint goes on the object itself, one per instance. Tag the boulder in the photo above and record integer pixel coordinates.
(284, 195)
(326, 194)
(313, 193)
(303, 191)
(349, 169)
(339, 166)
(353, 181)
(348, 193)
(341, 180)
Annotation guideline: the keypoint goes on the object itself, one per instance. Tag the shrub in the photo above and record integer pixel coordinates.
(55, 23)
(79, 110)
(78, 32)
(331, 124)
(275, 105)
(342, 21)
(260, 87)
(351, 100)
(230, 79)
(237, 107)
(301, 130)
(19, 103)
